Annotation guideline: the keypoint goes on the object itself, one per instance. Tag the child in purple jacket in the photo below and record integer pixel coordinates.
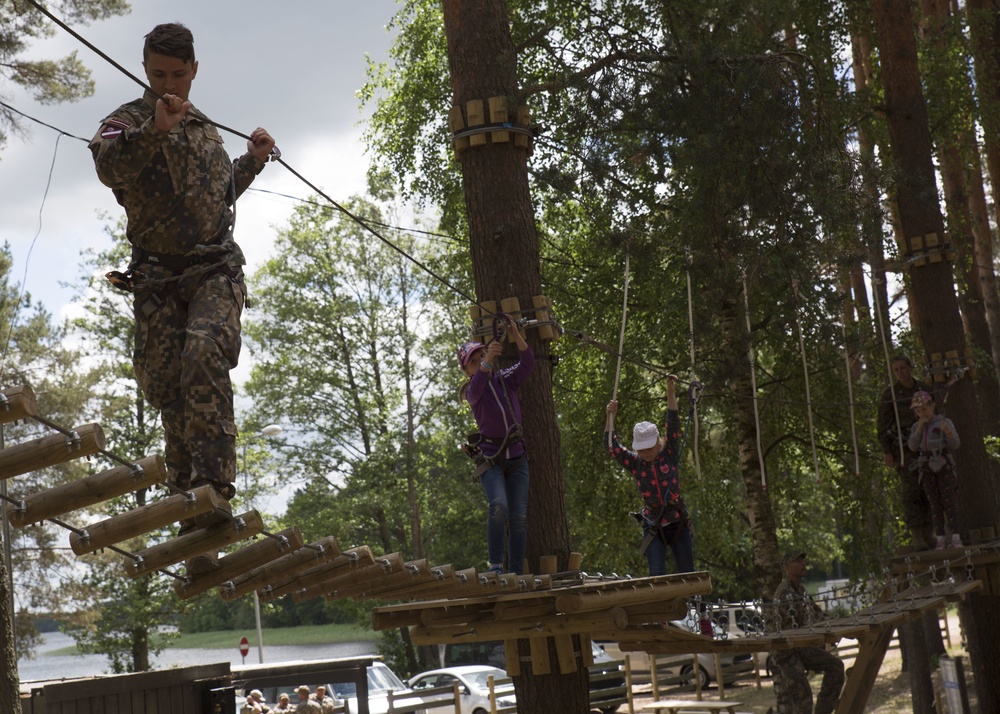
(492, 394)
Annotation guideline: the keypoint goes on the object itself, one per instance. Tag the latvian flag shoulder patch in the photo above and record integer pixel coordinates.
(113, 127)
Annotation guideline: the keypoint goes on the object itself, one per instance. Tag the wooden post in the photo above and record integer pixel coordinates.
(98, 488)
(285, 569)
(203, 540)
(546, 332)
(143, 520)
(251, 556)
(871, 651)
(17, 403)
(46, 451)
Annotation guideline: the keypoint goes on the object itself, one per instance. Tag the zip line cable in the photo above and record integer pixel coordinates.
(275, 156)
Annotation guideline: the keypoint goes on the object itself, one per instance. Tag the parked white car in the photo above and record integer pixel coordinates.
(381, 681)
(473, 687)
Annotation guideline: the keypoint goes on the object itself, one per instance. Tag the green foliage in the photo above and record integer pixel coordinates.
(48, 80)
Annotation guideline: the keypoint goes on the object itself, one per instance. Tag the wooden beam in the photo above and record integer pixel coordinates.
(85, 492)
(17, 403)
(861, 677)
(284, 568)
(251, 556)
(50, 450)
(203, 540)
(636, 592)
(145, 519)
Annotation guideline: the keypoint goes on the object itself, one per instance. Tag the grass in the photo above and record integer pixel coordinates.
(302, 635)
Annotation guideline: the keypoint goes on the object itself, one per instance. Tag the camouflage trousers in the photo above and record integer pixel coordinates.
(187, 339)
(791, 680)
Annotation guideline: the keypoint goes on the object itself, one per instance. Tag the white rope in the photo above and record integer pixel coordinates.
(850, 399)
(621, 336)
(888, 369)
(694, 407)
(753, 385)
(805, 376)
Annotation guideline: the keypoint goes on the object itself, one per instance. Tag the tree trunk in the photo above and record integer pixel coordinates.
(763, 532)
(938, 320)
(10, 685)
(505, 259)
(939, 78)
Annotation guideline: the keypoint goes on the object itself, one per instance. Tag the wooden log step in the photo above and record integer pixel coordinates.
(635, 592)
(391, 586)
(254, 555)
(312, 583)
(283, 569)
(382, 565)
(143, 520)
(50, 450)
(17, 403)
(203, 540)
(98, 488)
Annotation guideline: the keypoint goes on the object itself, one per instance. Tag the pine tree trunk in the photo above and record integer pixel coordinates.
(763, 532)
(10, 685)
(505, 259)
(935, 14)
(938, 321)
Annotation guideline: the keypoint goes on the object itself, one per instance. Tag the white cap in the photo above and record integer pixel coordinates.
(644, 435)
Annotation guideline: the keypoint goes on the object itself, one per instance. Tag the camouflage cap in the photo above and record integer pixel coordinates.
(792, 556)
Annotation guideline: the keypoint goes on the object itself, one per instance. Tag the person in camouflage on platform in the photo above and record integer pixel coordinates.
(794, 608)
(167, 167)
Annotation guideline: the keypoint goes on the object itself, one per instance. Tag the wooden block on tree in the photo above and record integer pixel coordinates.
(145, 519)
(17, 403)
(98, 488)
(545, 332)
(565, 654)
(575, 561)
(202, 540)
(251, 556)
(512, 658)
(475, 117)
(523, 118)
(498, 115)
(540, 663)
(284, 569)
(50, 450)
(457, 122)
(512, 307)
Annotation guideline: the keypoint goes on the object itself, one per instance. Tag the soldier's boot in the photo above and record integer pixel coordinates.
(207, 562)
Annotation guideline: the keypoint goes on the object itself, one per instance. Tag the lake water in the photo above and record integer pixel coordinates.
(49, 666)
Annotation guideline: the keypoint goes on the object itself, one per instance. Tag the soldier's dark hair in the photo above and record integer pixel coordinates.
(171, 39)
(901, 358)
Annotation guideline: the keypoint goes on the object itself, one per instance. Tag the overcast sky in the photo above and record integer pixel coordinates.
(293, 68)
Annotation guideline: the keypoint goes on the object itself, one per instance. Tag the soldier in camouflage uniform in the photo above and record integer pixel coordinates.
(794, 608)
(167, 167)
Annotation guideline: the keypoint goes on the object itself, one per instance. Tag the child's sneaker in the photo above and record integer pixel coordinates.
(498, 569)
(956, 541)
(940, 543)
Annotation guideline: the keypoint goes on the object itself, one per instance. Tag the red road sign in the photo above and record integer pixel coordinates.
(244, 646)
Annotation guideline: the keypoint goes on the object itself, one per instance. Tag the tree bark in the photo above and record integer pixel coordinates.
(935, 15)
(505, 258)
(938, 321)
(763, 531)
(10, 685)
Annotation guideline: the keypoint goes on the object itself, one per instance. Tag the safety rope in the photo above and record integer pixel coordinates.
(621, 337)
(888, 367)
(805, 377)
(753, 385)
(850, 401)
(693, 398)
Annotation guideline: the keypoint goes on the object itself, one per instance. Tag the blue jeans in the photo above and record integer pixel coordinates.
(683, 550)
(506, 487)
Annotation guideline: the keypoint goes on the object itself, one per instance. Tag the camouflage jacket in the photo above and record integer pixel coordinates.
(794, 607)
(176, 188)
